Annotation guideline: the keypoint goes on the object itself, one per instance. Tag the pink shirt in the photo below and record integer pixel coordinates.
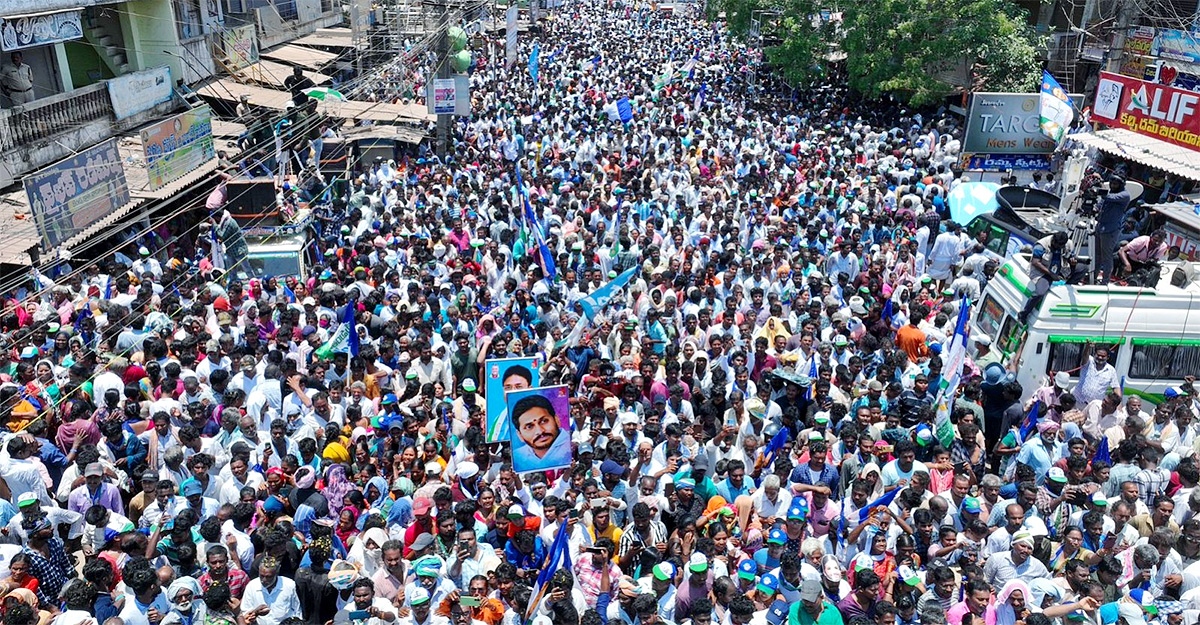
(959, 610)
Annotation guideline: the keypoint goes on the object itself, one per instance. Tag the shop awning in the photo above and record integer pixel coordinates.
(384, 132)
(1148, 151)
(273, 74)
(230, 90)
(301, 56)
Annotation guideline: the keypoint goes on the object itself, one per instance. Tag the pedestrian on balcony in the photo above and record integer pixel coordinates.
(16, 80)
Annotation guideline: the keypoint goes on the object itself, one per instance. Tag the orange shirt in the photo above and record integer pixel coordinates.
(911, 339)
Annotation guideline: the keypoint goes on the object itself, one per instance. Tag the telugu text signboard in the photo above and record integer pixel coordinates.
(76, 192)
(239, 47)
(178, 145)
(1154, 110)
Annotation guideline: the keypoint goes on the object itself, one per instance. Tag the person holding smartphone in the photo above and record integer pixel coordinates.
(366, 608)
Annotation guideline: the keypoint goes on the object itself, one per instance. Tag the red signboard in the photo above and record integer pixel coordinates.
(1151, 109)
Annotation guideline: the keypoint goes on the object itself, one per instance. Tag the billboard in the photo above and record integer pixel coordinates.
(178, 145)
(505, 375)
(1154, 110)
(76, 192)
(541, 428)
(239, 47)
(139, 91)
(1006, 123)
(510, 35)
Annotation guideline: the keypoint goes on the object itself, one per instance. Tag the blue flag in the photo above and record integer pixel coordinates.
(812, 375)
(884, 500)
(108, 288)
(533, 61)
(699, 101)
(1029, 427)
(775, 445)
(625, 110)
(290, 294)
(1102, 451)
(557, 558)
(598, 299)
(888, 314)
(536, 226)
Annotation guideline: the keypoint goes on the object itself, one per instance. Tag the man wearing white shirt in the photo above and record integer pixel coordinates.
(20, 474)
(771, 501)
(270, 599)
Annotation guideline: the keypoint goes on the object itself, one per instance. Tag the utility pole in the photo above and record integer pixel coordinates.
(443, 71)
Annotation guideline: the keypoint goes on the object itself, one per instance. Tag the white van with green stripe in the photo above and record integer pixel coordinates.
(1153, 334)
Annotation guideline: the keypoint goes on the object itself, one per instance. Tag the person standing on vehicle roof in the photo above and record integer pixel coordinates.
(1110, 216)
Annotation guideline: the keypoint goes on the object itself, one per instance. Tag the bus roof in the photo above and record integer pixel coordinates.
(1100, 310)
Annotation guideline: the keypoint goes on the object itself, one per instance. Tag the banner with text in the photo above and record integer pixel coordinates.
(176, 146)
(76, 192)
(1006, 123)
(1150, 109)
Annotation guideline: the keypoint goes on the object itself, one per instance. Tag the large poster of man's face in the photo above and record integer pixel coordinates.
(540, 423)
(505, 375)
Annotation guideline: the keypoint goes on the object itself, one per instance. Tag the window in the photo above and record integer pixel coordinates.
(188, 19)
(1067, 355)
(990, 314)
(1152, 360)
(1011, 335)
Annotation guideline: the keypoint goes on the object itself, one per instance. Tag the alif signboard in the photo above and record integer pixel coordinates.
(1150, 109)
(1006, 123)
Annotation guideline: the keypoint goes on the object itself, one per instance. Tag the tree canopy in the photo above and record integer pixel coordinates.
(917, 50)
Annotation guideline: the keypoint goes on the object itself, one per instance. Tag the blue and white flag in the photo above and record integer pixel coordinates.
(884, 500)
(344, 339)
(536, 226)
(533, 61)
(595, 302)
(598, 299)
(625, 110)
(1029, 427)
(1056, 111)
(699, 101)
(954, 358)
(559, 557)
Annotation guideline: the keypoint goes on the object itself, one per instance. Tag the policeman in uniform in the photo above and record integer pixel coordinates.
(16, 80)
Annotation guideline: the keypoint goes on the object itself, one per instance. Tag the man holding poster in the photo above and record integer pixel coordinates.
(541, 429)
(504, 376)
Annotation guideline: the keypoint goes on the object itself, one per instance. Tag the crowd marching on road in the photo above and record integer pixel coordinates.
(748, 300)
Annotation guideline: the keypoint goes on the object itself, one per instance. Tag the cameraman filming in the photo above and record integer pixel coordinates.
(1144, 250)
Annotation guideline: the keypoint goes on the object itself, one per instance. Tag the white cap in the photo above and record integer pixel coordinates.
(1062, 379)
(628, 417)
(983, 339)
(417, 595)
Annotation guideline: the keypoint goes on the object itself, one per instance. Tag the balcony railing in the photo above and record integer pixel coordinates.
(50, 116)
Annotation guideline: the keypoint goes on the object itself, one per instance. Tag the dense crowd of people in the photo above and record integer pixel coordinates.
(754, 432)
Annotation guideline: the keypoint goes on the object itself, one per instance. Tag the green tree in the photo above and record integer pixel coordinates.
(918, 50)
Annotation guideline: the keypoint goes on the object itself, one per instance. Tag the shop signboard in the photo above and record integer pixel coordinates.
(26, 31)
(1007, 162)
(176, 146)
(1154, 110)
(76, 192)
(139, 91)
(1006, 124)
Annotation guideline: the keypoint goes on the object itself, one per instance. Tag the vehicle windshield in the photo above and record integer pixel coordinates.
(276, 264)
